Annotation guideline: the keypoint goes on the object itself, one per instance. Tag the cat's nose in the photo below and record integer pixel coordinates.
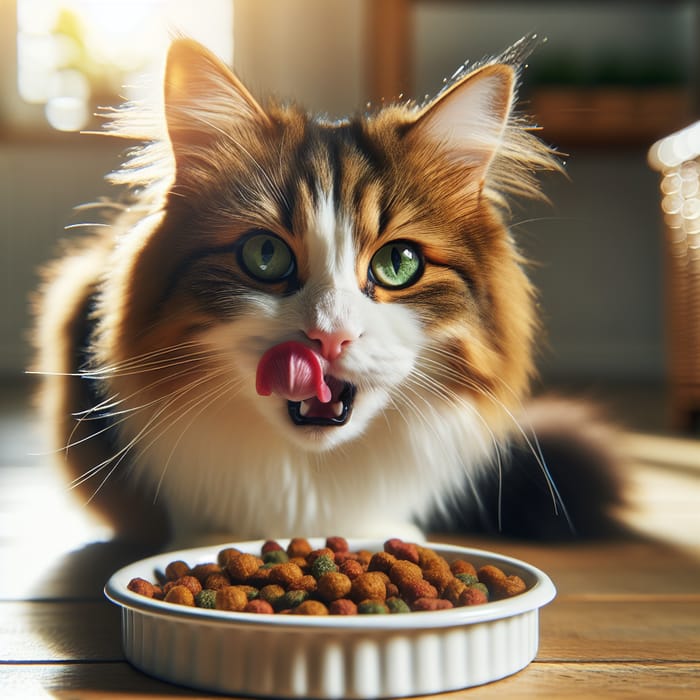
(332, 343)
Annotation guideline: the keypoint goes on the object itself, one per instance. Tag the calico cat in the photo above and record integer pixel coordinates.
(294, 326)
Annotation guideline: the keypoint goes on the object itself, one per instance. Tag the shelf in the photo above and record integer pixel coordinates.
(609, 116)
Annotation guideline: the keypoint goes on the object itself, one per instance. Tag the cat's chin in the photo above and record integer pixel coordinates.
(318, 434)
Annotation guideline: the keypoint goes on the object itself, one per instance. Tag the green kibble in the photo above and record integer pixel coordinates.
(271, 593)
(276, 556)
(372, 607)
(323, 565)
(251, 591)
(397, 605)
(468, 579)
(290, 600)
(206, 598)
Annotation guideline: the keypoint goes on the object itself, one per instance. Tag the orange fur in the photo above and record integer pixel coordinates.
(223, 166)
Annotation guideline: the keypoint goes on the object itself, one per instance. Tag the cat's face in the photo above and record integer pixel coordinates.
(325, 276)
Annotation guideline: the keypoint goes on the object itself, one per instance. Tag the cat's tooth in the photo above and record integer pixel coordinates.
(338, 409)
(304, 408)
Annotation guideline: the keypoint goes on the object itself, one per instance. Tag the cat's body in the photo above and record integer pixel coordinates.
(367, 261)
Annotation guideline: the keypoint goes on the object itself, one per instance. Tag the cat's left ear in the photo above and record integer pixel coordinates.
(469, 118)
(203, 99)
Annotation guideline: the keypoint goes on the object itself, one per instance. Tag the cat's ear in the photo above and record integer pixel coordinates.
(203, 98)
(469, 118)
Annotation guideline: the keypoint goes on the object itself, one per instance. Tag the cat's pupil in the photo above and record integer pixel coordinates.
(396, 260)
(266, 253)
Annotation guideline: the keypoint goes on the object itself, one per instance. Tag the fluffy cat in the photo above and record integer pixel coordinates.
(295, 326)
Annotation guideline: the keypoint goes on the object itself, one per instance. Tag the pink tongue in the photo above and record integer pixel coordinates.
(294, 371)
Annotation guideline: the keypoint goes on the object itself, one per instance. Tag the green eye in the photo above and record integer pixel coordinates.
(396, 264)
(266, 257)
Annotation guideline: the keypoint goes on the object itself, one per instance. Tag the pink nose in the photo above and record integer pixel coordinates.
(332, 343)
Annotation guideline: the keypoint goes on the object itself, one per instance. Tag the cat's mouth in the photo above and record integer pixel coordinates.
(337, 411)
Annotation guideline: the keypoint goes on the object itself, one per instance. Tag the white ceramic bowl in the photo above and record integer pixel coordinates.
(363, 656)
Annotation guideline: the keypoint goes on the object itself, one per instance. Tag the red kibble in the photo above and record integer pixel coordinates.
(351, 568)
(337, 544)
(342, 606)
(472, 596)
(258, 606)
(142, 587)
(412, 590)
(271, 546)
(402, 550)
(431, 604)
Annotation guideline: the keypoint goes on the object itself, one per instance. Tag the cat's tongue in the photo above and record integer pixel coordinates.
(293, 371)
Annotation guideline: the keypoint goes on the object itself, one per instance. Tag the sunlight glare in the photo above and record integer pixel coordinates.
(112, 43)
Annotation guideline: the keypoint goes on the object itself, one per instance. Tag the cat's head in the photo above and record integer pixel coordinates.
(366, 260)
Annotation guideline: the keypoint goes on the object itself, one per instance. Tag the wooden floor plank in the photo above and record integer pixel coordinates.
(59, 631)
(539, 681)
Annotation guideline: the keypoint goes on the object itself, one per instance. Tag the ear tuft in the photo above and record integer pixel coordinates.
(203, 97)
(470, 117)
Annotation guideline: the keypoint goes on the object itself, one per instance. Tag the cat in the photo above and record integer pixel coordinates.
(294, 326)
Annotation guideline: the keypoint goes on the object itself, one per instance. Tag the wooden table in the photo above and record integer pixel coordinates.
(625, 623)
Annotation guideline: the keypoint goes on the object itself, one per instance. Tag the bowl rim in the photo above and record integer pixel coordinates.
(541, 590)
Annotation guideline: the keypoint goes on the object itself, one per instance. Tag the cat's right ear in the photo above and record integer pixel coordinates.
(203, 100)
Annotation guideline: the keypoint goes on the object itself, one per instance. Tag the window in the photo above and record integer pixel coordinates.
(76, 55)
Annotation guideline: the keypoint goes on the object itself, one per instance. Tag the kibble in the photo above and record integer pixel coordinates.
(331, 580)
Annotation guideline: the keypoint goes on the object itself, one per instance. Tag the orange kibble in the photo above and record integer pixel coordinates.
(242, 567)
(180, 595)
(225, 554)
(490, 574)
(284, 574)
(175, 570)
(453, 590)
(381, 561)
(507, 587)
(333, 585)
(460, 566)
(203, 571)
(403, 571)
(311, 607)
(215, 581)
(231, 598)
(368, 586)
(190, 582)
(438, 574)
(305, 583)
(298, 547)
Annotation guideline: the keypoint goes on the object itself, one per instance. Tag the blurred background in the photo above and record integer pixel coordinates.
(610, 79)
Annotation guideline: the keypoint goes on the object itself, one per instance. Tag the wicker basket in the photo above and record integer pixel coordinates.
(677, 159)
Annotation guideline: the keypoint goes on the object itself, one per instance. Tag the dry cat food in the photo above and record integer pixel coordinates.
(333, 580)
